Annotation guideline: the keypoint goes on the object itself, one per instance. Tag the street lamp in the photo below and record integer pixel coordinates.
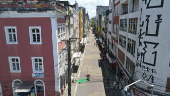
(127, 87)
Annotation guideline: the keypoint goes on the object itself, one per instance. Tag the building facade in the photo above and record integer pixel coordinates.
(30, 49)
(139, 45)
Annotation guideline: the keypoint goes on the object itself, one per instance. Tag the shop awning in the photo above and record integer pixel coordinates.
(24, 88)
(100, 39)
(83, 41)
(77, 55)
(111, 57)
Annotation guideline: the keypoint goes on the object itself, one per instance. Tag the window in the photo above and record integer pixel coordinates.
(131, 46)
(130, 66)
(123, 25)
(58, 33)
(11, 35)
(15, 84)
(14, 63)
(37, 64)
(0, 90)
(109, 21)
(122, 41)
(35, 35)
(63, 29)
(39, 88)
(133, 25)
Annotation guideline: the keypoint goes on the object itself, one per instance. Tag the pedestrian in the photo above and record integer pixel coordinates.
(114, 85)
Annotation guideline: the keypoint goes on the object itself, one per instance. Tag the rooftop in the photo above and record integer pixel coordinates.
(32, 7)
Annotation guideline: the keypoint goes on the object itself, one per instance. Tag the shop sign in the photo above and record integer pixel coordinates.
(38, 75)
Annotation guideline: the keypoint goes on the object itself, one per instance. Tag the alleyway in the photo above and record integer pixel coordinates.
(93, 64)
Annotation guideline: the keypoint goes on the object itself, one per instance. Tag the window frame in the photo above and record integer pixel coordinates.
(1, 94)
(7, 34)
(30, 33)
(39, 85)
(13, 87)
(11, 67)
(130, 66)
(33, 65)
(62, 28)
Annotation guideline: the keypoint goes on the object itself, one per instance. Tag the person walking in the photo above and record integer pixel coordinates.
(114, 85)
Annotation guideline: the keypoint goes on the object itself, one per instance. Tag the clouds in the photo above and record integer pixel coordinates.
(90, 5)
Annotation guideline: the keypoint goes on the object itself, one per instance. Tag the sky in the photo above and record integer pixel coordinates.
(90, 5)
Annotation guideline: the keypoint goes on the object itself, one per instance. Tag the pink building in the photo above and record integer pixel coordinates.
(29, 49)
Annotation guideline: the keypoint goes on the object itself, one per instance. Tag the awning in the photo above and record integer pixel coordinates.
(100, 39)
(111, 57)
(24, 88)
(83, 41)
(77, 55)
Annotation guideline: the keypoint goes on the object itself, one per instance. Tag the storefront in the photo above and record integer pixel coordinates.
(25, 90)
(138, 93)
(112, 60)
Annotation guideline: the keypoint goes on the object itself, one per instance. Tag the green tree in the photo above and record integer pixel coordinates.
(92, 23)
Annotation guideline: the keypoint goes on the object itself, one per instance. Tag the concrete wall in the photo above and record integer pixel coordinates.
(155, 47)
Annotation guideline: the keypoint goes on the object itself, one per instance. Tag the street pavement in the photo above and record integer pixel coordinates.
(101, 76)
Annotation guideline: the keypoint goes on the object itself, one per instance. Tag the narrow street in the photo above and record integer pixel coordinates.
(92, 63)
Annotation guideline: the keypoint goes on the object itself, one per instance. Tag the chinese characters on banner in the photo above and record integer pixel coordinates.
(149, 28)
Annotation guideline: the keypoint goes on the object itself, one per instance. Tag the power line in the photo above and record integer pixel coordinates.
(30, 78)
(35, 76)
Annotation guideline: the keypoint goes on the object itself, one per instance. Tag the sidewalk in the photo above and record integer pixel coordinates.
(75, 76)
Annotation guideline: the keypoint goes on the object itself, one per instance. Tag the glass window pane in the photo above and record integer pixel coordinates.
(17, 65)
(40, 89)
(16, 60)
(36, 66)
(33, 30)
(34, 37)
(38, 37)
(10, 37)
(13, 65)
(40, 66)
(13, 30)
(14, 37)
(61, 29)
(40, 60)
(58, 31)
(37, 30)
(9, 30)
(13, 59)
(36, 60)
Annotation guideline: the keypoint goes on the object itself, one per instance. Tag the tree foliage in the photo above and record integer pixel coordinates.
(92, 23)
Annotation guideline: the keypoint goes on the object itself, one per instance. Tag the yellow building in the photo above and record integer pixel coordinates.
(80, 23)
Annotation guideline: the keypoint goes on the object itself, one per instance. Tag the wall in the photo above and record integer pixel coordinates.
(25, 51)
(154, 43)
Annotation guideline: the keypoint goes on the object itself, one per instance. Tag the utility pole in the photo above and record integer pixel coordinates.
(69, 63)
(69, 68)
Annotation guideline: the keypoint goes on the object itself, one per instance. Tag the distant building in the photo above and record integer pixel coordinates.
(99, 12)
